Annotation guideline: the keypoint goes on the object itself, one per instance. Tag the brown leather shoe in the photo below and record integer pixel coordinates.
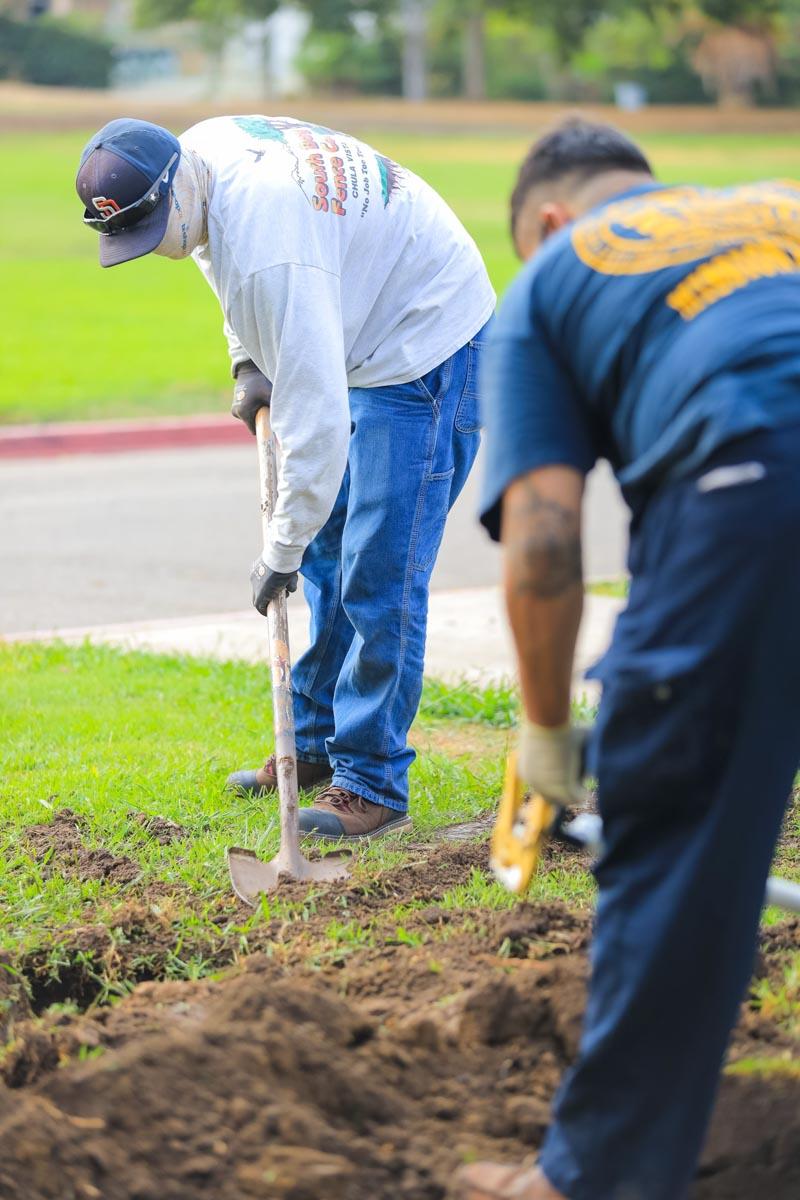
(490, 1181)
(265, 780)
(340, 815)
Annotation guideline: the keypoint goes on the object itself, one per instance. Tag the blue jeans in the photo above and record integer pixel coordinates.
(695, 748)
(366, 576)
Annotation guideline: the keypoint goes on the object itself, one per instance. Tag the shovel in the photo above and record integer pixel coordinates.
(250, 876)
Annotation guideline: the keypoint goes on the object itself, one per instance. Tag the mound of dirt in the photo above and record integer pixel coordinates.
(264, 1085)
(267, 1086)
(353, 1057)
(60, 846)
(344, 1065)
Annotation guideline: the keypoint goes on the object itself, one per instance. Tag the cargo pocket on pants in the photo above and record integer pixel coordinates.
(661, 732)
(432, 509)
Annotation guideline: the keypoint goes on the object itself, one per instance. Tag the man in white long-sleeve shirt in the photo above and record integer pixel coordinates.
(355, 305)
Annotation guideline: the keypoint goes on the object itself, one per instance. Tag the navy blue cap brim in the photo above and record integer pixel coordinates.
(137, 240)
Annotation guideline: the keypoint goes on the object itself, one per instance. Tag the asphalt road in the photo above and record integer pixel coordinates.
(93, 539)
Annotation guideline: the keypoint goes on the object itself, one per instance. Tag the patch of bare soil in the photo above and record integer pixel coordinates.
(135, 942)
(59, 845)
(363, 1068)
(160, 829)
(788, 856)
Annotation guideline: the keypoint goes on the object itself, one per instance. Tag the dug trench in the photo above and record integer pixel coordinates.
(344, 1056)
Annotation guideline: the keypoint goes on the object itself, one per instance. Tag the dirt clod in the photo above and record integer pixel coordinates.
(160, 829)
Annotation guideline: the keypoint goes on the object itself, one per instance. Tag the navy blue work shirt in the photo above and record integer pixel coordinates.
(661, 325)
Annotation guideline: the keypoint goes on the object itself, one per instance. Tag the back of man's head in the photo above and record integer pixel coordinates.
(569, 155)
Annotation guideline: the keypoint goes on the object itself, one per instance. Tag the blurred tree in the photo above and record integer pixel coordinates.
(568, 21)
(261, 10)
(54, 52)
(414, 16)
(636, 47)
(214, 21)
(473, 72)
(571, 20)
(579, 47)
(336, 16)
(740, 12)
(467, 19)
(735, 48)
(348, 16)
(731, 42)
(348, 62)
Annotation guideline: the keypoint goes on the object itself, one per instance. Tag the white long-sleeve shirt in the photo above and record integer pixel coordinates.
(335, 268)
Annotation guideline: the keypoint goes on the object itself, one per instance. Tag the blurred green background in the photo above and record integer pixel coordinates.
(80, 342)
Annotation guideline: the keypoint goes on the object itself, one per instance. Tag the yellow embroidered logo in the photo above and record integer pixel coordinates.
(747, 233)
(725, 274)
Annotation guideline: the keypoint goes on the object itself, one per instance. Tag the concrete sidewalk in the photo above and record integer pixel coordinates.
(468, 636)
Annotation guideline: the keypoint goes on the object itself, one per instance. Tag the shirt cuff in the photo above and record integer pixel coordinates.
(237, 358)
(282, 558)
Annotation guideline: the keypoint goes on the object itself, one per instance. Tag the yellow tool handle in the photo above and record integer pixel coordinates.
(522, 824)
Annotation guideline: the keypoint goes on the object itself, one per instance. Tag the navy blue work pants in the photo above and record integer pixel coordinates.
(695, 749)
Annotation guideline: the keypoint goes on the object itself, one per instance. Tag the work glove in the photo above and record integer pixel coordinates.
(550, 762)
(268, 584)
(251, 392)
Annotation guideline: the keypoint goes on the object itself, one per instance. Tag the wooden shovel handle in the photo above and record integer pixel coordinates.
(280, 662)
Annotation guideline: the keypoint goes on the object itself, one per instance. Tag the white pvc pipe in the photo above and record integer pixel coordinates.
(783, 893)
(587, 828)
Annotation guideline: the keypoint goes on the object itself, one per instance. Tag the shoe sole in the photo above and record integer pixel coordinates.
(391, 827)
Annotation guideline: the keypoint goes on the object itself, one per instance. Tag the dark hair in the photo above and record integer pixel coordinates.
(575, 147)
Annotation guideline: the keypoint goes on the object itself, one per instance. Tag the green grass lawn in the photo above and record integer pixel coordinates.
(111, 735)
(116, 737)
(77, 341)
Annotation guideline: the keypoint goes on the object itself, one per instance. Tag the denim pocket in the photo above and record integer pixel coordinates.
(432, 510)
(468, 417)
(436, 382)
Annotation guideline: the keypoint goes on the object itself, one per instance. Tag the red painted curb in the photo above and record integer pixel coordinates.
(109, 437)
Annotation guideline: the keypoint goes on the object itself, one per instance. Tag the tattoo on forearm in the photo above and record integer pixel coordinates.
(544, 545)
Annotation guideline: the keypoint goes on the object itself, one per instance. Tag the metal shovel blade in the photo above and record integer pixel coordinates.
(250, 876)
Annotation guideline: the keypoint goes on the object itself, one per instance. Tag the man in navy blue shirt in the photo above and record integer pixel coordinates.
(658, 328)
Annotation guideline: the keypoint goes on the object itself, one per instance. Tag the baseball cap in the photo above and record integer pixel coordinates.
(125, 173)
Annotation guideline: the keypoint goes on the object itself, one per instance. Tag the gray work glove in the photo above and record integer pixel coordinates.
(550, 761)
(251, 391)
(267, 584)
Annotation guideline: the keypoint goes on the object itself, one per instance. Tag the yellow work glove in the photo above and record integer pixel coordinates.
(550, 762)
